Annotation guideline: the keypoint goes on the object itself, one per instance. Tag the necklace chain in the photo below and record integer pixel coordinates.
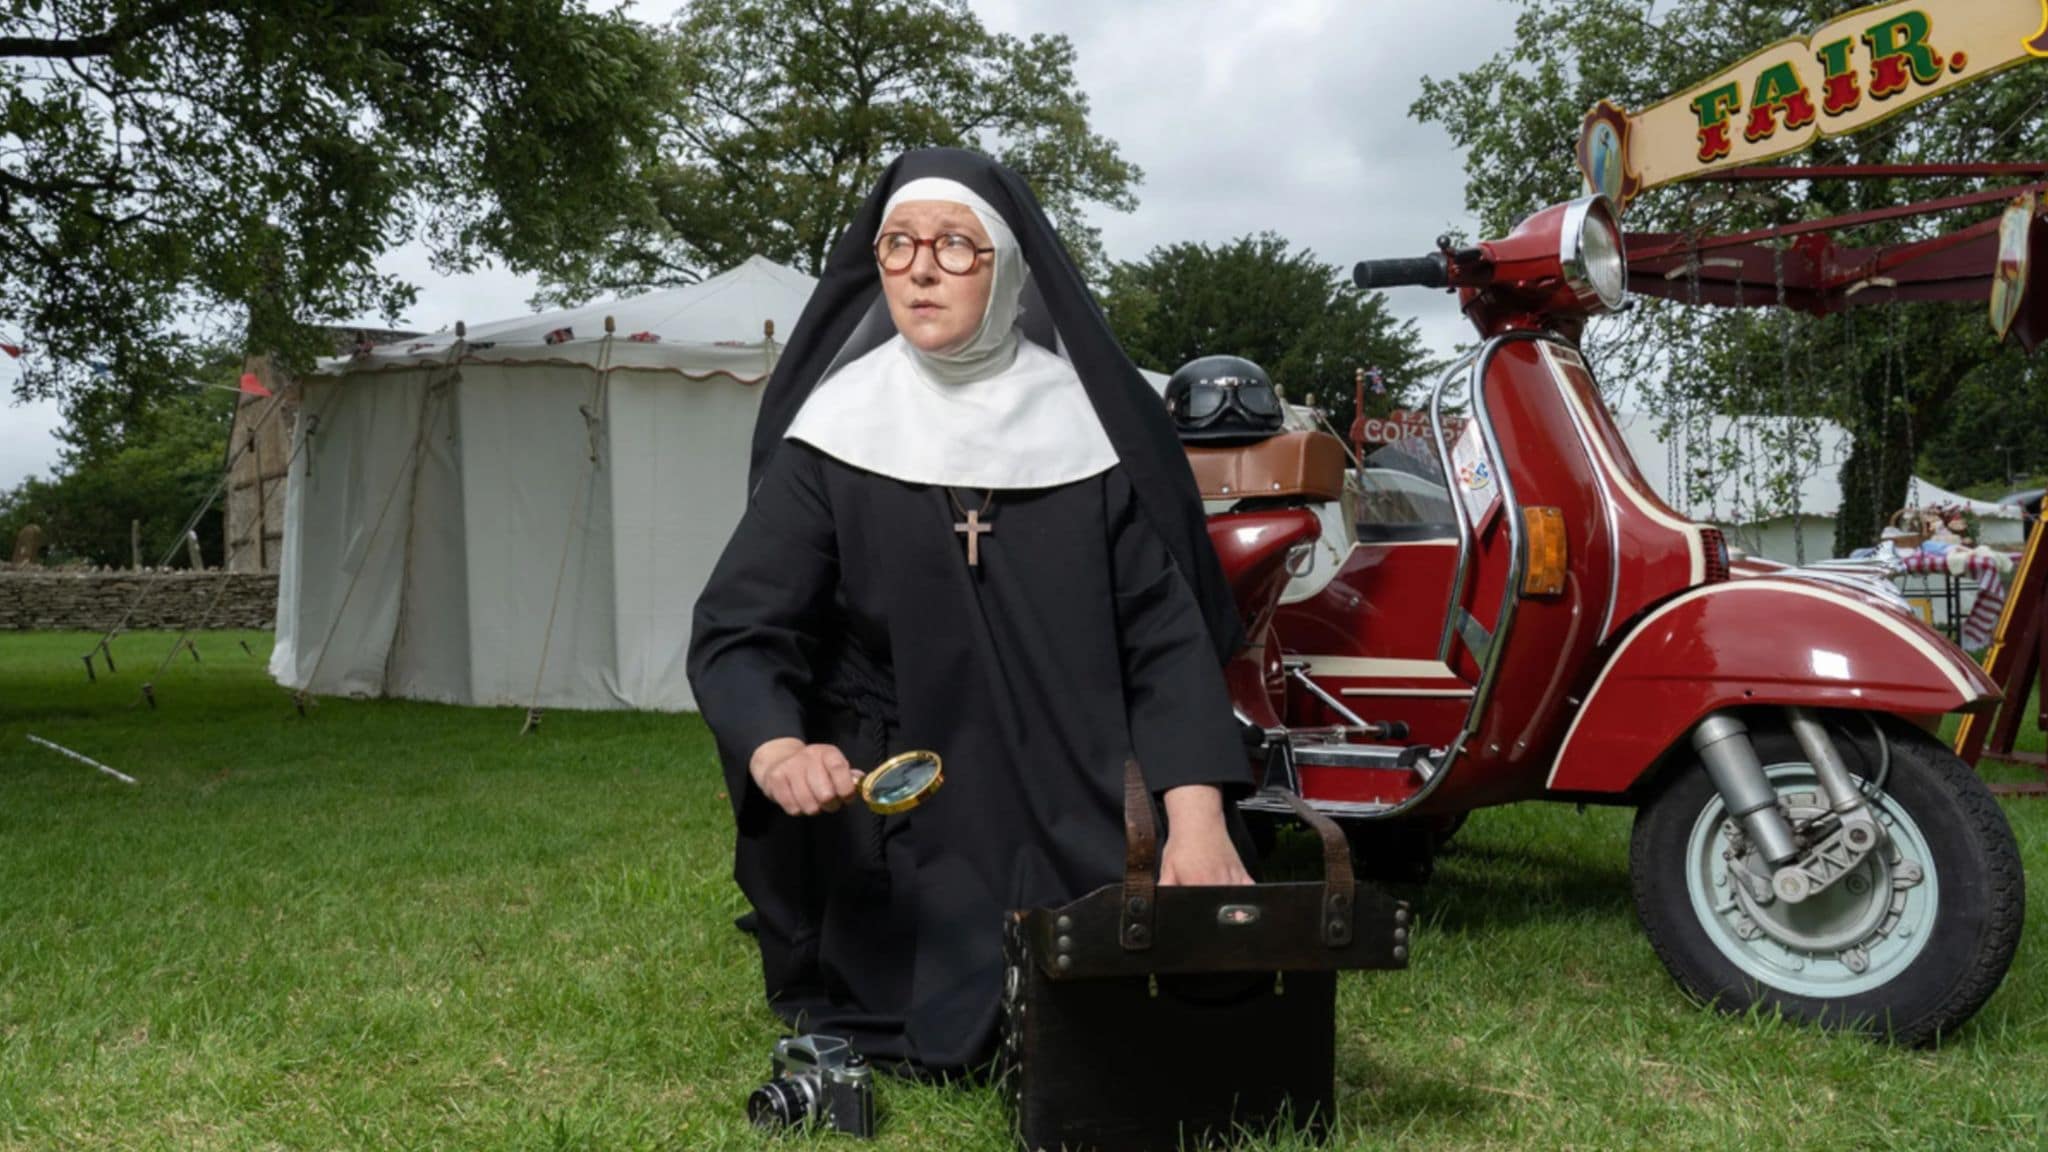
(987, 500)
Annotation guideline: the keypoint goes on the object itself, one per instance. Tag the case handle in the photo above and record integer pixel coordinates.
(1141, 871)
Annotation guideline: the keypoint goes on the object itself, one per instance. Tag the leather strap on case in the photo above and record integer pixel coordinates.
(1141, 858)
(1339, 885)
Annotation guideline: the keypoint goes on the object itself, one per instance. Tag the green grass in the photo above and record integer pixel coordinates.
(392, 925)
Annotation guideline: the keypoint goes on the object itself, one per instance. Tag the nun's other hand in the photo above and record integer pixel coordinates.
(1198, 848)
(804, 779)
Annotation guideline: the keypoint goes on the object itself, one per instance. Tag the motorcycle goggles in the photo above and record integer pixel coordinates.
(1207, 400)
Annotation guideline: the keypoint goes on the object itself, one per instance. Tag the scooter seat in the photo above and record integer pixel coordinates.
(1304, 466)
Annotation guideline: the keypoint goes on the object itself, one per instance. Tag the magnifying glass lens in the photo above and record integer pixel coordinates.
(902, 783)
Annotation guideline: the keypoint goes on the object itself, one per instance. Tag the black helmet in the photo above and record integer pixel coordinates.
(1223, 398)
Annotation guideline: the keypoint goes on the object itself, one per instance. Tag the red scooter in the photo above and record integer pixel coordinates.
(1513, 614)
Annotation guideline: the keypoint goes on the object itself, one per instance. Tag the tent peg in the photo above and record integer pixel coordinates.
(149, 695)
(90, 677)
(532, 722)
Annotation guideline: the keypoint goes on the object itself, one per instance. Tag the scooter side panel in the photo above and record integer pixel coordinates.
(1553, 639)
(1749, 642)
(1658, 550)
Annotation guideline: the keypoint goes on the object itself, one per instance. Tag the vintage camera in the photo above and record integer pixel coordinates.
(816, 1079)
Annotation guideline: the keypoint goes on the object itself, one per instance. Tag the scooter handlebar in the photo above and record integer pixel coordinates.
(1430, 271)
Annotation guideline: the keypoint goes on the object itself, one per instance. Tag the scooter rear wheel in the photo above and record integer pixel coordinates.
(1909, 945)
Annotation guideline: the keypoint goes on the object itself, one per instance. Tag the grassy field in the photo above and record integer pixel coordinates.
(395, 926)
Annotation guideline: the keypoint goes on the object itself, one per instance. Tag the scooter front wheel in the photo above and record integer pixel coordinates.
(1908, 945)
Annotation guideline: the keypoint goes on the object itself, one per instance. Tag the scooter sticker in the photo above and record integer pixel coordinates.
(1477, 486)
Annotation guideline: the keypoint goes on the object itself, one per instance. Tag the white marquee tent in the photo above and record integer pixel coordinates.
(532, 503)
(1760, 520)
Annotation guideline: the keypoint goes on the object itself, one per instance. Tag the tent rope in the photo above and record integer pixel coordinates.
(592, 409)
(401, 629)
(226, 577)
(427, 396)
(191, 522)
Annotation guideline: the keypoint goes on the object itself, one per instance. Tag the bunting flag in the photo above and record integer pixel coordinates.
(1379, 382)
(253, 386)
(13, 350)
(645, 338)
(560, 335)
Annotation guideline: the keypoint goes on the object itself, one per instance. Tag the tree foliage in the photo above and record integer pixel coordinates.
(1296, 317)
(177, 172)
(789, 110)
(157, 469)
(1889, 373)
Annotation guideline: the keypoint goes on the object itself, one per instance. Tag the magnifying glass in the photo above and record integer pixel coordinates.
(901, 783)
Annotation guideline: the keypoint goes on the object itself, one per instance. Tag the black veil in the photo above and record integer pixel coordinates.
(846, 318)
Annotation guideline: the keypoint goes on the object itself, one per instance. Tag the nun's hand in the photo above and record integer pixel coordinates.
(1198, 848)
(803, 779)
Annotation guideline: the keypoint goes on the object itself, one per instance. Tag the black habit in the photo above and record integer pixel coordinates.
(844, 612)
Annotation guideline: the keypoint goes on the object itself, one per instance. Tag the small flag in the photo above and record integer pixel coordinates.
(1379, 382)
(561, 334)
(645, 338)
(13, 350)
(253, 386)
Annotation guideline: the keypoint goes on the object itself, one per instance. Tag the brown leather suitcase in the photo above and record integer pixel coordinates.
(1148, 1019)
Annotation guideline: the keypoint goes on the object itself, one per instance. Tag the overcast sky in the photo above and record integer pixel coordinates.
(1246, 115)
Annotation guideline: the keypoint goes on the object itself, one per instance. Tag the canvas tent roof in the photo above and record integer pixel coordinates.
(723, 321)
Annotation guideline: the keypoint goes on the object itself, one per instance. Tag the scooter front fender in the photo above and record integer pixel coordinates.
(1749, 642)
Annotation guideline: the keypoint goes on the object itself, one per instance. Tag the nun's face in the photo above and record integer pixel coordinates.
(936, 310)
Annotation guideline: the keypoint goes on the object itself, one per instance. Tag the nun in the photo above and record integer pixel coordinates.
(971, 529)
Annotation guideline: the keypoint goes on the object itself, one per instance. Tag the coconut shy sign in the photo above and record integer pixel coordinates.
(1853, 72)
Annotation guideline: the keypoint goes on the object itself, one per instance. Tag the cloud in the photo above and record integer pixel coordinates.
(1288, 115)
(1247, 115)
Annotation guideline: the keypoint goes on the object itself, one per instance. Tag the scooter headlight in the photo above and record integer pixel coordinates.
(1595, 264)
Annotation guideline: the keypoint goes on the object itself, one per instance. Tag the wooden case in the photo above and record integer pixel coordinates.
(1147, 1019)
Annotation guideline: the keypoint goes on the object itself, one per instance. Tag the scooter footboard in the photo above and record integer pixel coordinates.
(1749, 642)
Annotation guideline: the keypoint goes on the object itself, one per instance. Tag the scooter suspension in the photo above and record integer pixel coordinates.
(1723, 744)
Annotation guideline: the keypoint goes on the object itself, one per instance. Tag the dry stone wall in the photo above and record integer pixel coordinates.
(91, 601)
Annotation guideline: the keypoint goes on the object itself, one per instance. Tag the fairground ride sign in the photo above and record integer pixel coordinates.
(1855, 71)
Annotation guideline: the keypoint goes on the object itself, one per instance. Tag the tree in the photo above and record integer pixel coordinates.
(1888, 373)
(158, 470)
(791, 108)
(173, 172)
(1294, 316)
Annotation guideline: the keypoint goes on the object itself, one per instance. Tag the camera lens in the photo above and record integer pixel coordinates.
(783, 1103)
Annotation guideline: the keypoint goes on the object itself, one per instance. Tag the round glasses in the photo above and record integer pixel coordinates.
(955, 253)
